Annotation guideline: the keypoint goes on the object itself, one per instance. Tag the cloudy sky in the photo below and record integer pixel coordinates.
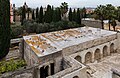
(71, 3)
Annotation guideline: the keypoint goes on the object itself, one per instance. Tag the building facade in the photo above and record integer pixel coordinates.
(66, 53)
(11, 12)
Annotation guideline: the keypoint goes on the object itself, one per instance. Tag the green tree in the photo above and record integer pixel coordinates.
(64, 9)
(59, 14)
(100, 11)
(29, 10)
(55, 19)
(110, 13)
(23, 15)
(48, 14)
(37, 14)
(84, 12)
(4, 27)
(74, 15)
(113, 23)
(41, 15)
(19, 12)
(78, 18)
(33, 15)
(70, 14)
(118, 13)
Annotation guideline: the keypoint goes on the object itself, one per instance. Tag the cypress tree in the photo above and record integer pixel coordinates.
(56, 15)
(37, 15)
(59, 14)
(41, 15)
(55, 18)
(48, 14)
(70, 14)
(78, 18)
(23, 15)
(74, 15)
(33, 15)
(14, 12)
(52, 11)
(84, 12)
(4, 27)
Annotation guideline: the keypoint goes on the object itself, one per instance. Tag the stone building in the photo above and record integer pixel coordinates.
(11, 12)
(67, 53)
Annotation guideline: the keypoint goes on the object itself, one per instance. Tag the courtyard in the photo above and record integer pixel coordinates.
(104, 68)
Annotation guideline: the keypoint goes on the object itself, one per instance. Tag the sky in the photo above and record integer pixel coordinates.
(71, 3)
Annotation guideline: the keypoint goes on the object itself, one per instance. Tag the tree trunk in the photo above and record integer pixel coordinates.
(102, 24)
(109, 24)
(114, 28)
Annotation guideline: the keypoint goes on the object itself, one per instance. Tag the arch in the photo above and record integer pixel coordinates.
(88, 58)
(42, 75)
(112, 48)
(52, 68)
(75, 77)
(78, 58)
(46, 69)
(97, 55)
(105, 51)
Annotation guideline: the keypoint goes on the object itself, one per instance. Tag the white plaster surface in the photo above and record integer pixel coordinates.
(103, 68)
(65, 38)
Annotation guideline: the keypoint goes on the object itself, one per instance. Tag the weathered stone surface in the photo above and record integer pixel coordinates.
(24, 75)
(92, 23)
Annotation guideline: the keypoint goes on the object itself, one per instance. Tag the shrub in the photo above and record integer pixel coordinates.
(16, 31)
(11, 65)
(33, 27)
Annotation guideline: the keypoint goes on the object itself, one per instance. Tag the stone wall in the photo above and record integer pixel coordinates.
(15, 53)
(28, 72)
(93, 49)
(115, 74)
(75, 69)
(92, 23)
(88, 44)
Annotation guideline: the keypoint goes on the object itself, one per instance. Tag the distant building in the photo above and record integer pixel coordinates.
(89, 11)
(11, 12)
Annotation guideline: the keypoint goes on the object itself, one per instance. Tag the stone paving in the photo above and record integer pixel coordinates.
(103, 68)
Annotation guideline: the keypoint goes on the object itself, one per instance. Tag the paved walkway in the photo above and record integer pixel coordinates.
(103, 68)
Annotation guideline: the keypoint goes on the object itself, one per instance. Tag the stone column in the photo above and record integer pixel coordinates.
(21, 48)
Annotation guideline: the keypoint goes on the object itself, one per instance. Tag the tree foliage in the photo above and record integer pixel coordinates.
(100, 11)
(70, 14)
(37, 14)
(41, 15)
(48, 14)
(118, 13)
(84, 12)
(78, 18)
(23, 15)
(4, 27)
(110, 13)
(64, 9)
(33, 15)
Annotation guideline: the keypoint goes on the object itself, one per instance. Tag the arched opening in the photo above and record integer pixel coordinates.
(42, 75)
(75, 77)
(78, 58)
(112, 48)
(88, 58)
(52, 68)
(46, 71)
(105, 52)
(97, 55)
